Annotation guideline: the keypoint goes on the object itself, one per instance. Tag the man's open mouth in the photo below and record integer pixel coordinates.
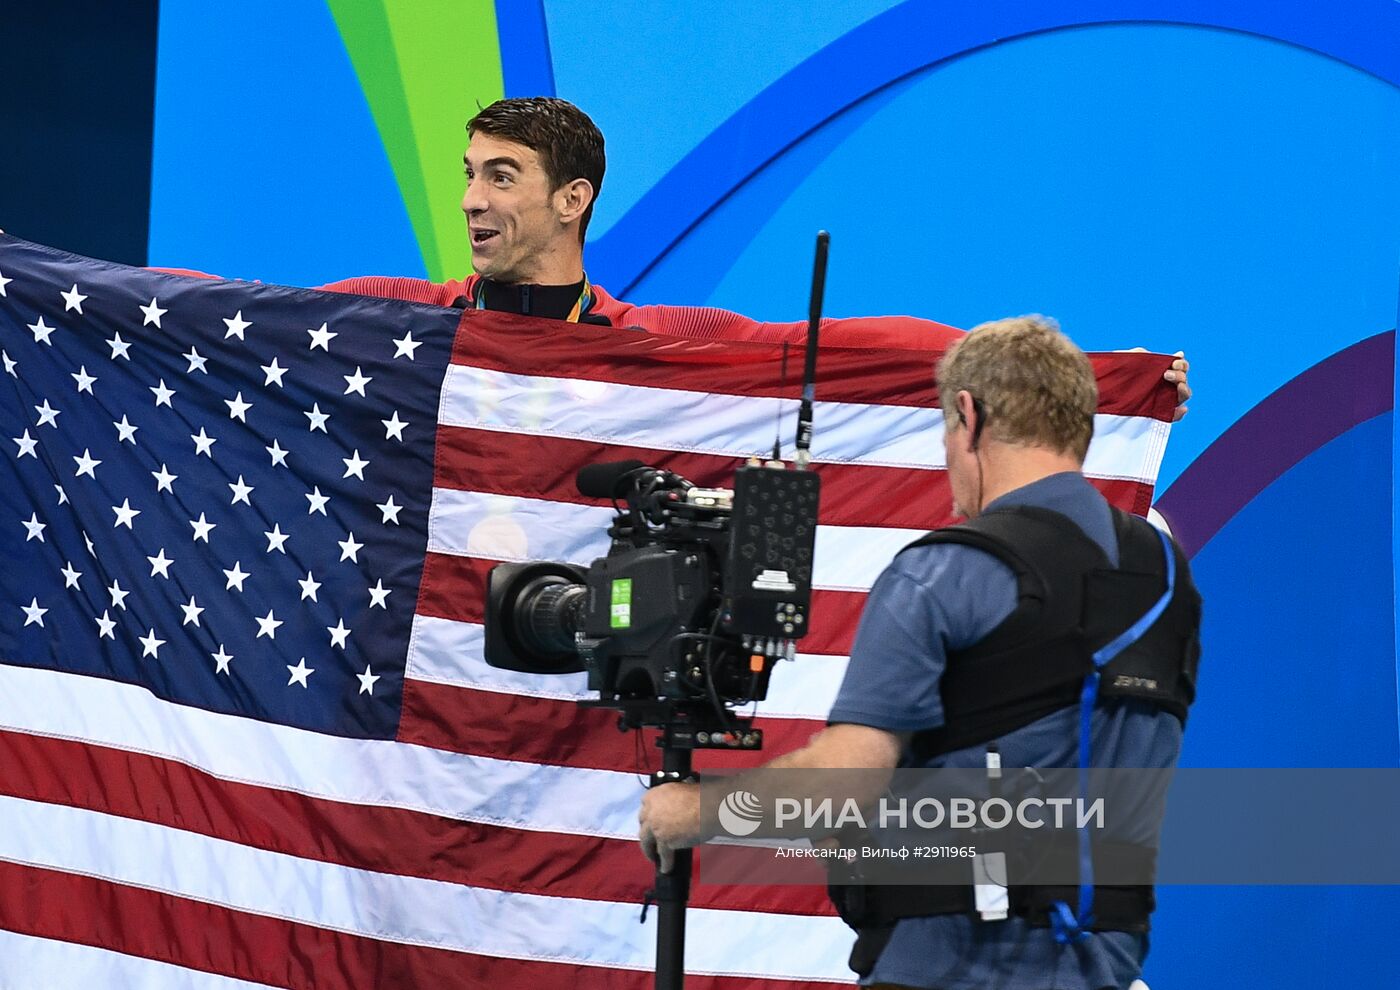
(483, 235)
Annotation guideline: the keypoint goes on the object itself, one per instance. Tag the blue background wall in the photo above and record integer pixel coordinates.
(1215, 178)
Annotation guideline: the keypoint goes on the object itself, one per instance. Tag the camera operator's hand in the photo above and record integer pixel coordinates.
(670, 820)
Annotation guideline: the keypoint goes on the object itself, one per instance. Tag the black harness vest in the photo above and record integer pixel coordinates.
(1070, 603)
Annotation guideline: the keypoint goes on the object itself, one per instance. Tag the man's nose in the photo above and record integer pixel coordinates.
(474, 199)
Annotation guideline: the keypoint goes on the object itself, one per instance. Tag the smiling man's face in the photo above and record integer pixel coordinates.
(513, 216)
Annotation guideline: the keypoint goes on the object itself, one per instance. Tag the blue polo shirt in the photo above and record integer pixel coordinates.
(944, 597)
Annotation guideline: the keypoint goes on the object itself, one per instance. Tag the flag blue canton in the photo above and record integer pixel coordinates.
(204, 495)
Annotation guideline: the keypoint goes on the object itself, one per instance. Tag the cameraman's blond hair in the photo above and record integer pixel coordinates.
(1036, 387)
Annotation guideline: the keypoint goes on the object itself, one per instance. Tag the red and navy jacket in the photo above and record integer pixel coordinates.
(697, 322)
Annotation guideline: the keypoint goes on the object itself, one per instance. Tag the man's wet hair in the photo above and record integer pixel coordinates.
(569, 144)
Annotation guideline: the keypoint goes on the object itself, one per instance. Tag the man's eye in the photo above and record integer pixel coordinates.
(502, 179)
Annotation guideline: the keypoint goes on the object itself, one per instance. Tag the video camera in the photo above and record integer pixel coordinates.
(701, 591)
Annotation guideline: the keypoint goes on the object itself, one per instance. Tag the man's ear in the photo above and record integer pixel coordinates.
(970, 416)
(572, 199)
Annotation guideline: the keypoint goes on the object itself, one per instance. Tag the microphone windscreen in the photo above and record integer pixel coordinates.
(601, 480)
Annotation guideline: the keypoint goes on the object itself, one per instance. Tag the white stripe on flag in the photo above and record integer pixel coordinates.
(410, 910)
(531, 796)
(30, 961)
(445, 651)
(676, 419)
(511, 527)
(739, 426)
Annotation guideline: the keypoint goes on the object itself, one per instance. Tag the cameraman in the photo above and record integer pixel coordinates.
(1019, 401)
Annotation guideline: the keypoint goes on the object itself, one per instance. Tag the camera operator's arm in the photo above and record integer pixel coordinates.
(670, 815)
(928, 597)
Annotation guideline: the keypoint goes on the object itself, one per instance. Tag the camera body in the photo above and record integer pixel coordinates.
(701, 592)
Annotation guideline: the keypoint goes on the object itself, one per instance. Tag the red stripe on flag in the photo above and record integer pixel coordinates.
(544, 467)
(1128, 382)
(366, 837)
(213, 939)
(558, 733)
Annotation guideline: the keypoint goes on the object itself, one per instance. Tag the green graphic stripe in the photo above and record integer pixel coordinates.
(425, 66)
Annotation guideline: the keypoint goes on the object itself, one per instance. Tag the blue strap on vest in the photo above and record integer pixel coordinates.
(1069, 925)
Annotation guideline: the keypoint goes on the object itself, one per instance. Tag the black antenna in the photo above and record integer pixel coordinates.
(778, 417)
(809, 368)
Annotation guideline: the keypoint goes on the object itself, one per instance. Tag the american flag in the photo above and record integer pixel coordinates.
(247, 737)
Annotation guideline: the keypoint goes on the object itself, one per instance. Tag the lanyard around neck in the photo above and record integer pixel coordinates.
(581, 305)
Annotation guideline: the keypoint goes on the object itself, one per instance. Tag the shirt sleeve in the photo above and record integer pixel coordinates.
(930, 601)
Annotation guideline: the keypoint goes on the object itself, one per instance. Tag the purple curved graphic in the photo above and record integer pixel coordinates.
(912, 37)
(1327, 400)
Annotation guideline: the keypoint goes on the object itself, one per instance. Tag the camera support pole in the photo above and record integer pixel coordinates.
(672, 890)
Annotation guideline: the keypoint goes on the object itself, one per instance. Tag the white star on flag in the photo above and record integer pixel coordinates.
(274, 373)
(279, 456)
(150, 646)
(160, 564)
(126, 433)
(390, 510)
(318, 418)
(237, 408)
(322, 338)
(35, 528)
(4, 282)
(406, 345)
(393, 427)
(276, 540)
(204, 444)
(267, 626)
(379, 595)
(317, 500)
(73, 300)
(240, 492)
(26, 445)
(236, 577)
(105, 626)
(202, 528)
(125, 514)
(164, 479)
(42, 332)
(163, 394)
(222, 659)
(309, 584)
(349, 549)
(48, 415)
(87, 465)
(197, 362)
(367, 680)
(33, 614)
(356, 382)
(10, 364)
(118, 595)
(236, 326)
(192, 612)
(120, 348)
(153, 313)
(83, 379)
(338, 633)
(355, 466)
(70, 575)
(300, 673)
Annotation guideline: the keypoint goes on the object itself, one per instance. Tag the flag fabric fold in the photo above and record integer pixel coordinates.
(247, 735)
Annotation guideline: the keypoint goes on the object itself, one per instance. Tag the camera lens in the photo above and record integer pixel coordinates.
(548, 615)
